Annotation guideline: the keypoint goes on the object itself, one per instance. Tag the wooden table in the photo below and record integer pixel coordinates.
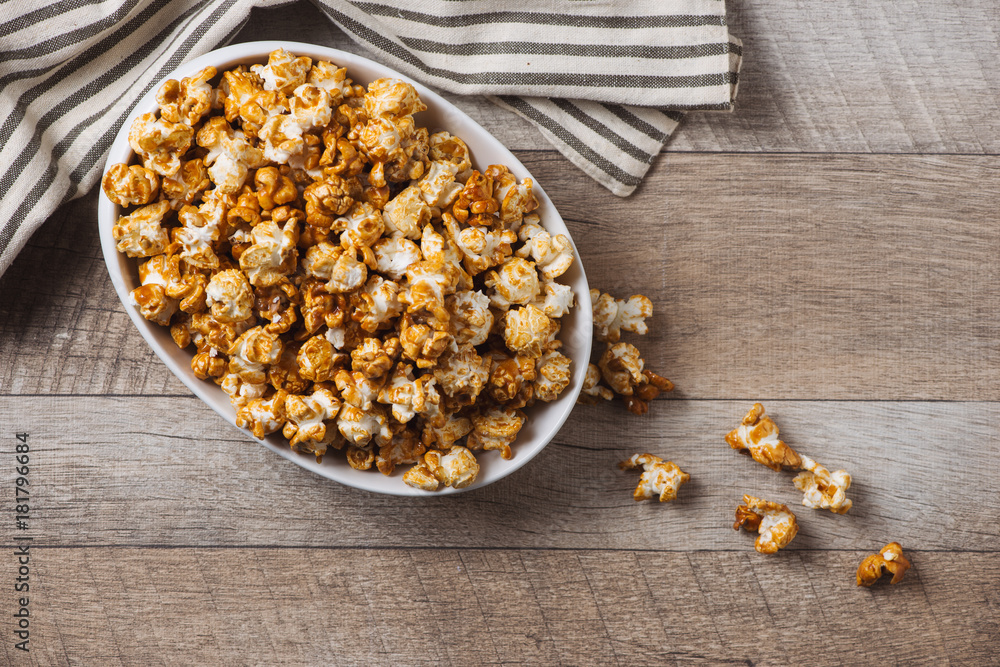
(830, 249)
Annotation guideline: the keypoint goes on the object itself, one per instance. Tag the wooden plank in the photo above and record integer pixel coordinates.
(313, 606)
(815, 277)
(835, 76)
(168, 471)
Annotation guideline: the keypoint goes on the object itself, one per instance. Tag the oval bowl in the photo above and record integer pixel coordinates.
(544, 419)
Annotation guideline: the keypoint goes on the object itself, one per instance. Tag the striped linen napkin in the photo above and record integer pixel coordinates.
(605, 81)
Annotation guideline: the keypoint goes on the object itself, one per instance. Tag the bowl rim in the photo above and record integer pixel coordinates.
(581, 316)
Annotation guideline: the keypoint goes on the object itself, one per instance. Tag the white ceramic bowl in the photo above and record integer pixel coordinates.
(544, 419)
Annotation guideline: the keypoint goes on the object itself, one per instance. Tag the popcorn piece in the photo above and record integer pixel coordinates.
(263, 416)
(252, 352)
(362, 226)
(154, 304)
(660, 479)
(392, 98)
(306, 428)
(405, 447)
(758, 437)
(284, 375)
(515, 199)
(444, 252)
(160, 143)
(363, 426)
(775, 523)
(823, 489)
(445, 431)
(237, 88)
(187, 101)
(475, 204)
(447, 148)
(410, 397)
(529, 331)
(274, 189)
(360, 458)
(553, 376)
(438, 186)
(889, 560)
(283, 72)
(495, 428)
(230, 154)
(471, 319)
(511, 379)
(457, 469)
(330, 78)
(462, 374)
(592, 389)
(407, 213)
(201, 229)
(273, 254)
(141, 234)
(327, 199)
(395, 254)
(318, 361)
(516, 282)
(187, 185)
(229, 295)
(612, 316)
(377, 304)
(554, 299)
(421, 343)
(277, 304)
(164, 270)
(358, 390)
(126, 186)
(373, 358)
(553, 255)
(426, 291)
(310, 107)
(483, 249)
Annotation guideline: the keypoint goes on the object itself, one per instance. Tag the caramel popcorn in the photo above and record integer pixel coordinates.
(612, 316)
(758, 437)
(774, 522)
(126, 186)
(659, 479)
(160, 143)
(495, 428)
(344, 275)
(457, 469)
(188, 100)
(592, 390)
(142, 234)
(823, 489)
(889, 560)
(529, 331)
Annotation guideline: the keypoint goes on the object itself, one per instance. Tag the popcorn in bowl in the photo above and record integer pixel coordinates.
(362, 242)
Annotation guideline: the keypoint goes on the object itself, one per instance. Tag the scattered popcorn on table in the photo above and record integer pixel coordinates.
(889, 560)
(612, 316)
(344, 275)
(823, 489)
(757, 436)
(620, 366)
(774, 522)
(660, 479)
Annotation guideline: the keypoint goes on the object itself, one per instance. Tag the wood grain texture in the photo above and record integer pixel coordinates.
(814, 277)
(119, 606)
(168, 471)
(837, 76)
